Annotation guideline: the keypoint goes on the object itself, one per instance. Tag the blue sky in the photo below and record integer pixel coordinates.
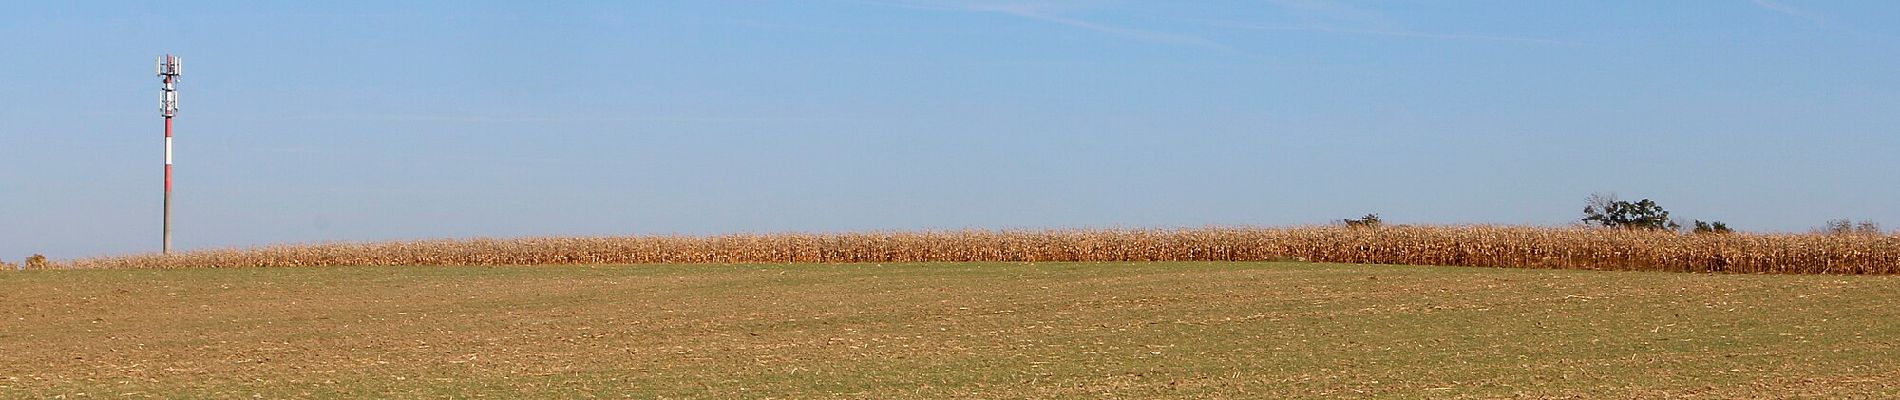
(353, 121)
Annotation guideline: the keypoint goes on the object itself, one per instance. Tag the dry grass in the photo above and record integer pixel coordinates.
(1481, 246)
(946, 331)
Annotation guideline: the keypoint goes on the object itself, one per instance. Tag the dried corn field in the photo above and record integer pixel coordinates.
(1481, 246)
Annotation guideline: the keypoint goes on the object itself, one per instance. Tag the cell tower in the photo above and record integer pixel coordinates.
(168, 106)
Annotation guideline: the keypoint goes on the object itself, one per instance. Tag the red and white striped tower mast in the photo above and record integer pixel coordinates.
(168, 106)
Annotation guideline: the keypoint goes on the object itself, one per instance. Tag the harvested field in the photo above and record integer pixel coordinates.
(1477, 246)
(1016, 330)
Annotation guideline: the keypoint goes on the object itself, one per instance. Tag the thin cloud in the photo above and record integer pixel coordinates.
(1334, 17)
(1042, 13)
(1788, 10)
(1330, 13)
(1037, 13)
(467, 118)
(1320, 16)
(1397, 33)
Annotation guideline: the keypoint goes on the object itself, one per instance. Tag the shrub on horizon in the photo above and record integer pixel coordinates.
(36, 262)
(1368, 221)
(1716, 227)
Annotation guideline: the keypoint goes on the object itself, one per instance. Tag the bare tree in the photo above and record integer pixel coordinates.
(1599, 203)
(1845, 226)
